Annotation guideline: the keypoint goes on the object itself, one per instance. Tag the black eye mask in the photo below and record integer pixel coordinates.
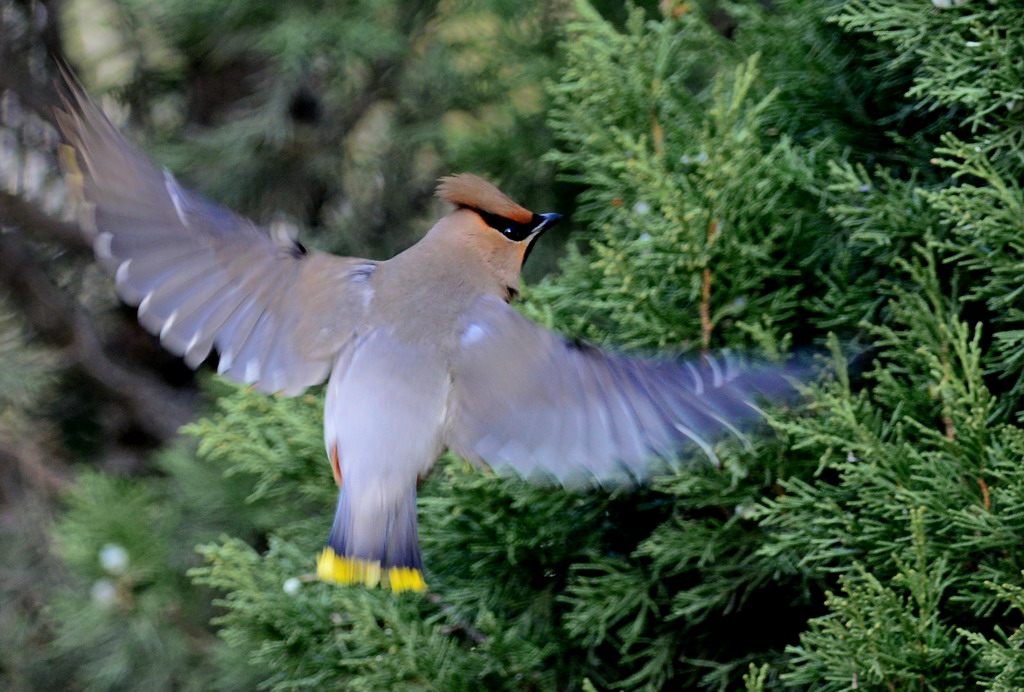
(513, 230)
(516, 231)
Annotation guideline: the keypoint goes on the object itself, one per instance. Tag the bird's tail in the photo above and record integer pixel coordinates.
(374, 544)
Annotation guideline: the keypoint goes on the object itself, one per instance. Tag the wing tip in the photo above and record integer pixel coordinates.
(75, 101)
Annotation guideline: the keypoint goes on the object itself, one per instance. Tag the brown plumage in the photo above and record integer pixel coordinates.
(421, 352)
(473, 192)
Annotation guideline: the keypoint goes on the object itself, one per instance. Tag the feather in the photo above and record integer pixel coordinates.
(467, 190)
(201, 275)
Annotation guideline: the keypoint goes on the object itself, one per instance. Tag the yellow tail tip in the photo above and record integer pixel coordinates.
(406, 579)
(347, 570)
(350, 570)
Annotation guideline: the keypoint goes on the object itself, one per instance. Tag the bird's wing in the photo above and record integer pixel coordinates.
(202, 276)
(527, 398)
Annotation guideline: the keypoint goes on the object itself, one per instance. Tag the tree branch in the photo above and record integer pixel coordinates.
(24, 462)
(16, 211)
(154, 407)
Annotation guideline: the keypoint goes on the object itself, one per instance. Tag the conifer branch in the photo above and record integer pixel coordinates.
(705, 303)
(657, 133)
(467, 630)
(152, 406)
(18, 212)
(26, 459)
(986, 497)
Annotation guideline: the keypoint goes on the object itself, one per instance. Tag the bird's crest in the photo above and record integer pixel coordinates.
(467, 190)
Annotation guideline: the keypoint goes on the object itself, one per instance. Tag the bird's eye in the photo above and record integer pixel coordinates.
(516, 231)
(513, 230)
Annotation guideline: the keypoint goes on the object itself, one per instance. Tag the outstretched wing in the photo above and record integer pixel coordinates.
(527, 398)
(202, 276)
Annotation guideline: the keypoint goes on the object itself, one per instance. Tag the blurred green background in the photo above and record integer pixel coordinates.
(841, 178)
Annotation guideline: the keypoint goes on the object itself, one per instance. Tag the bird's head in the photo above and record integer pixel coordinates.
(495, 209)
(489, 221)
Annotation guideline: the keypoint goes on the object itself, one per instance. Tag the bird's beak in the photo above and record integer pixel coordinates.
(546, 222)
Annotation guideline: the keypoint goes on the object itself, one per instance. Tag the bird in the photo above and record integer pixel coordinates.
(421, 353)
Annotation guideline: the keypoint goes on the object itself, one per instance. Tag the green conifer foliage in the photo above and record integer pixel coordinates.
(933, 447)
(697, 212)
(131, 619)
(342, 116)
(635, 590)
(871, 541)
(316, 634)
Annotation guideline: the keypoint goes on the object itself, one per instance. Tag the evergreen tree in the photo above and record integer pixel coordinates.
(339, 118)
(819, 175)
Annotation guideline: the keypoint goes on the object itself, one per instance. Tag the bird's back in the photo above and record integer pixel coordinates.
(422, 295)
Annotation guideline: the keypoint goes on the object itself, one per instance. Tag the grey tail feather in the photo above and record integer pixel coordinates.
(388, 536)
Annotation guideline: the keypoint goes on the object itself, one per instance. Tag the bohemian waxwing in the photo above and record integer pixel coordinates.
(421, 352)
